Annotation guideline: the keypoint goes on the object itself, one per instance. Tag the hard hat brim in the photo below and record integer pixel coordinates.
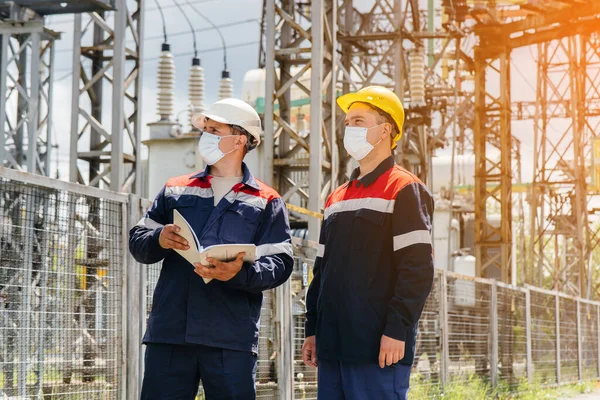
(346, 100)
(198, 119)
(198, 122)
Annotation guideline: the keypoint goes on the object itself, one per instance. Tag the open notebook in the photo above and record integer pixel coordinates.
(221, 252)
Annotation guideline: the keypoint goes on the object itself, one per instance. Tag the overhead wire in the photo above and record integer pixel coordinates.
(193, 31)
(209, 50)
(162, 17)
(165, 7)
(223, 43)
(227, 25)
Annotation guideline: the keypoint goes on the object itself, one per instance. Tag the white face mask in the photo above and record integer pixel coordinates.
(209, 148)
(356, 143)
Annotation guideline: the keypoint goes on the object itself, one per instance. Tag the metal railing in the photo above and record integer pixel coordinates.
(73, 307)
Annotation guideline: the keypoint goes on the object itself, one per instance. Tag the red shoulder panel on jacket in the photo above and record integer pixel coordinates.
(187, 180)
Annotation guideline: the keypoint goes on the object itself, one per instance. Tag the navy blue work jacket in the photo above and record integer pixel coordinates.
(374, 268)
(185, 310)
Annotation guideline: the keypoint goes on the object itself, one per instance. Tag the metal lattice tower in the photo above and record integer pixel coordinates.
(107, 73)
(493, 182)
(26, 82)
(299, 40)
(560, 196)
(371, 50)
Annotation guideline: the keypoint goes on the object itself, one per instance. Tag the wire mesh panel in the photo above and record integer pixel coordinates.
(425, 376)
(588, 315)
(61, 270)
(152, 274)
(569, 371)
(305, 377)
(266, 374)
(543, 337)
(512, 335)
(468, 329)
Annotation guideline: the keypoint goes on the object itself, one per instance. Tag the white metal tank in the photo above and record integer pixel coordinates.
(441, 236)
(464, 172)
(170, 157)
(464, 291)
(253, 85)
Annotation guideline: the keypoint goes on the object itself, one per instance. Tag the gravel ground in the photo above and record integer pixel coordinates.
(589, 396)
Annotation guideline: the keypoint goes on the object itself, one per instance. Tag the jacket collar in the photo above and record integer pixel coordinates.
(372, 176)
(248, 179)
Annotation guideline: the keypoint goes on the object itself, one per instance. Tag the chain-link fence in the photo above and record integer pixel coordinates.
(61, 273)
(73, 308)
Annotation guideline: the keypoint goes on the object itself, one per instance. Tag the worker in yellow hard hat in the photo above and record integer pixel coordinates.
(374, 267)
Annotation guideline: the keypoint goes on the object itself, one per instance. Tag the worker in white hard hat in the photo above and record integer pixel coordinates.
(208, 332)
(374, 268)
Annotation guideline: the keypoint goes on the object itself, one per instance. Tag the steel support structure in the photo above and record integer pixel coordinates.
(493, 176)
(107, 54)
(299, 57)
(590, 57)
(26, 82)
(559, 217)
(551, 22)
(375, 40)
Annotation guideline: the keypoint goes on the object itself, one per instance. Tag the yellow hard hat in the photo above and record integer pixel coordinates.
(380, 97)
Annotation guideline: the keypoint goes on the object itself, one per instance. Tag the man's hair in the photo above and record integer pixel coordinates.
(383, 117)
(251, 141)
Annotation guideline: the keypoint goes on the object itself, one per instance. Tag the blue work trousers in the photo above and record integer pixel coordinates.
(174, 372)
(339, 380)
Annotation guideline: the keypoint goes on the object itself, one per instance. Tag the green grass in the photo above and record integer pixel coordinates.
(475, 388)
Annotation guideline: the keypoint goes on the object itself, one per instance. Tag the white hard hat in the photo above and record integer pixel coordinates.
(232, 112)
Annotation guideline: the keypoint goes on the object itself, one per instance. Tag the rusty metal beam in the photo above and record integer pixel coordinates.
(540, 21)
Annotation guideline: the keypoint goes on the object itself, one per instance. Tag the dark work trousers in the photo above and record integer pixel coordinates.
(175, 371)
(350, 381)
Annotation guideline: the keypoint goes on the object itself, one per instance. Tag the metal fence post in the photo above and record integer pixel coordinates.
(528, 326)
(494, 329)
(598, 332)
(445, 362)
(285, 363)
(579, 349)
(133, 306)
(124, 362)
(557, 315)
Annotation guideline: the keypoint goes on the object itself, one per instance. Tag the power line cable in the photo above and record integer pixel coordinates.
(216, 28)
(209, 50)
(162, 17)
(228, 25)
(190, 25)
(244, 44)
(149, 9)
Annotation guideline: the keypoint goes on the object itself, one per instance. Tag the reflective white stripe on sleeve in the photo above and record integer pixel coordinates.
(410, 238)
(149, 223)
(274, 248)
(321, 250)
(369, 203)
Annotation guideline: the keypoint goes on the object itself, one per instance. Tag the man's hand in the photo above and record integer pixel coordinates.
(309, 351)
(169, 239)
(222, 271)
(390, 351)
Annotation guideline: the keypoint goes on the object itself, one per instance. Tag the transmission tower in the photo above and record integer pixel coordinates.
(107, 72)
(26, 83)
